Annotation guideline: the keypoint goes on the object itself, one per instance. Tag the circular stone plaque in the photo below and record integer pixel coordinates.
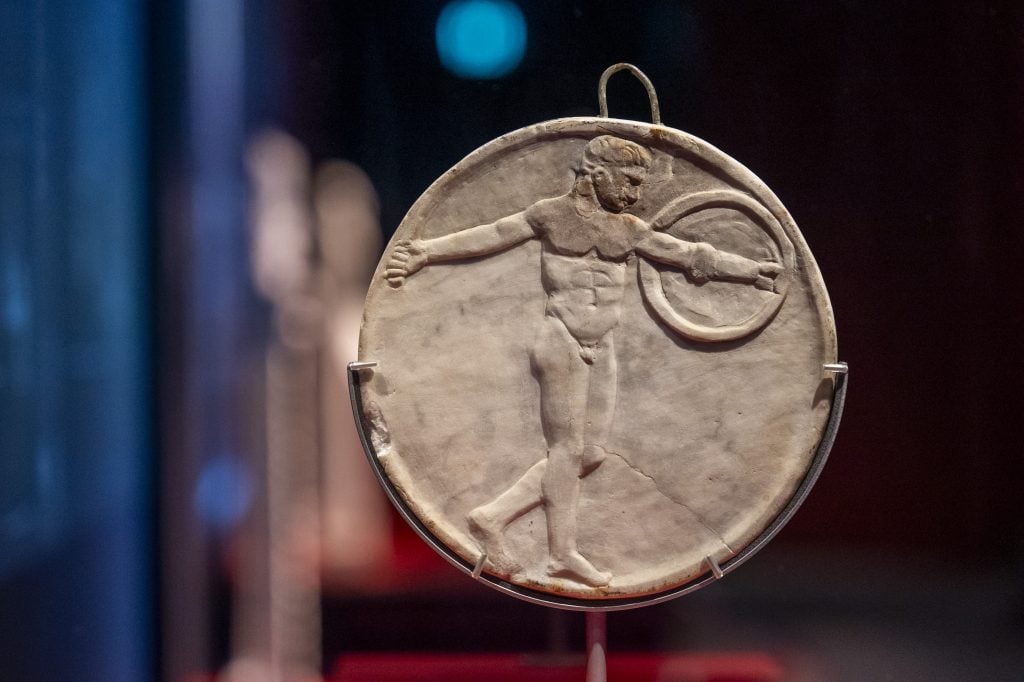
(599, 351)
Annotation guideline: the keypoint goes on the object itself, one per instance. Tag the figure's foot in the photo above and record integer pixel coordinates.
(576, 567)
(488, 533)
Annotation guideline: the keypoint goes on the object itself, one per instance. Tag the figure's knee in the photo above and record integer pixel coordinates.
(592, 457)
(562, 472)
(563, 456)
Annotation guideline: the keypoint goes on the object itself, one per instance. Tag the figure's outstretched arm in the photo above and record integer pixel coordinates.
(703, 261)
(409, 256)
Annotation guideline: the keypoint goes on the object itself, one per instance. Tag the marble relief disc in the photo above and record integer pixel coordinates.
(599, 349)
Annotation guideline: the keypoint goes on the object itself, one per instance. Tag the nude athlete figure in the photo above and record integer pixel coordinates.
(587, 239)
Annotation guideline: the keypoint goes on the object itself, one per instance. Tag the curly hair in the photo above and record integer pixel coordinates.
(607, 150)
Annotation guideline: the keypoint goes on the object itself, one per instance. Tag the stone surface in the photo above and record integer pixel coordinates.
(600, 349)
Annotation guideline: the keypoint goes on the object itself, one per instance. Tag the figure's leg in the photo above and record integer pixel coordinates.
(563, 379)
(600, 405)
(524, 495)
(487, 521)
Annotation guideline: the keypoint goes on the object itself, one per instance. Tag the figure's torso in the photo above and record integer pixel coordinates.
(584, 292)
(583, 264)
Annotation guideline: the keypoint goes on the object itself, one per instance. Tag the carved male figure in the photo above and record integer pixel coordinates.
(587, 240)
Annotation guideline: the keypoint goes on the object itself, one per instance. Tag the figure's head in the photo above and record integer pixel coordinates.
(615, 167)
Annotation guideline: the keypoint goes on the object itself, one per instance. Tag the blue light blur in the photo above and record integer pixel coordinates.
(481, 39)
(76, 397)
(224, 492)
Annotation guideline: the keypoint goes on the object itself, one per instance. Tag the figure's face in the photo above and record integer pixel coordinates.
(618, 187)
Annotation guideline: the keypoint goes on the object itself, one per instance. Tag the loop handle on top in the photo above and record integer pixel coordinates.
(602, 87)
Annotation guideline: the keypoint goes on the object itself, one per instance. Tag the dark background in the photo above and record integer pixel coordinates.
(893, 134)
(129, 330)
(891, 131)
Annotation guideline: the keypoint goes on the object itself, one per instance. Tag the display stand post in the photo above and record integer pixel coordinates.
(597, 643)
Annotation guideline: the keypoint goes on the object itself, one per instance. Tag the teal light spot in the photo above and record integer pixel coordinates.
(481, 38)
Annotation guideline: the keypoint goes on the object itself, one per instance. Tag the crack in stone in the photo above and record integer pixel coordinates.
(672, 499)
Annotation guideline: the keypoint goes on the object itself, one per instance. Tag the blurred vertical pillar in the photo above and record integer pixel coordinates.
(278, 611)
(75, 451)
(211, 329)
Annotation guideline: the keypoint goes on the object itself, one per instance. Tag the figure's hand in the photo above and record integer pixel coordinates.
(408, 257)
(767, 271)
